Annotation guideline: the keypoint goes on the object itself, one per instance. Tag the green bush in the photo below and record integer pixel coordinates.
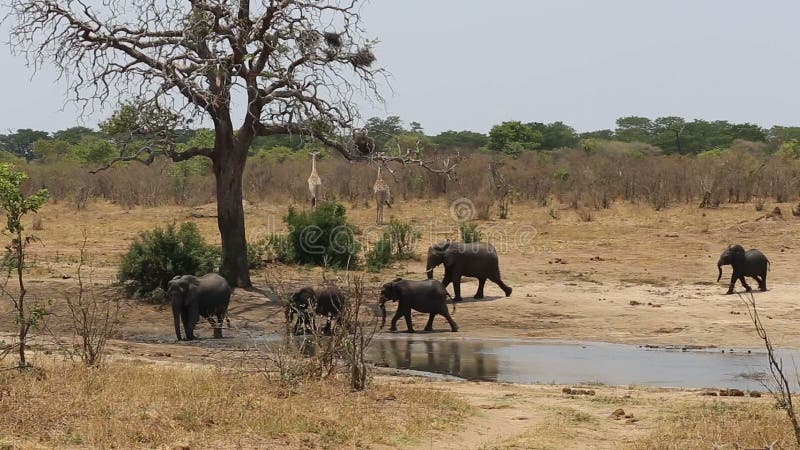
(273, 248)
(156, 256)
(397, 243)
(322, 237)
(380, 255)
(470, 232)
(403, 238)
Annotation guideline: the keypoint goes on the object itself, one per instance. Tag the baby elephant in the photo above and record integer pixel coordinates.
(427, 296)
(751, 263)
(305, 303)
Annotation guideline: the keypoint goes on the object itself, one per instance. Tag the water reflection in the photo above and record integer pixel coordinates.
(567, 363)
(465, 359)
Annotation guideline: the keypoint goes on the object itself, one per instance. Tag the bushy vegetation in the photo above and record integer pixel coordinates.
(638, 162)
(397, 243)
(272, 248)
(322, 237)
(158, 255)
(469, 232)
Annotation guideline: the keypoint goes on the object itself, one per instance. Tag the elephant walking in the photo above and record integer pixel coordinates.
(474, 259)
(306, 303)
(427, 296)
(192, 297)
(750, 263)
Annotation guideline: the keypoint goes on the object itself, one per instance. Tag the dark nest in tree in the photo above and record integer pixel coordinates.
(362, 58)
(364, 144)
(332, 39)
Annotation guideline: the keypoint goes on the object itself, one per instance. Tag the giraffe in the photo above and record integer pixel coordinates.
(314, 181)
(382, 196)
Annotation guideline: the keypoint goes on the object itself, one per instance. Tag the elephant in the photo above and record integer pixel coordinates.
(192, 297)
(751, 263)
(427, 296)
(306, 302)
(474, 259)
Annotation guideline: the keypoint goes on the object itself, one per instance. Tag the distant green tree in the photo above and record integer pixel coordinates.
(50, 150)
(73, 135)
(634, 128)
(598, 134)
(415, 127)
(748, 132)
(383, 130)
(21, 142)
(513, 137)
(460, 139)
(667, 132)
(782, 134)
(555, 135)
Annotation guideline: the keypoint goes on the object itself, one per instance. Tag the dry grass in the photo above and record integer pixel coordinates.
(136, 404)
(700, 425)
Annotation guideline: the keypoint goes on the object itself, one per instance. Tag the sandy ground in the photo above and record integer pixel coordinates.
(631, 275)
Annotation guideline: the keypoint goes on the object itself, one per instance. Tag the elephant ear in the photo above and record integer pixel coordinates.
(441, 246)
(449, 258)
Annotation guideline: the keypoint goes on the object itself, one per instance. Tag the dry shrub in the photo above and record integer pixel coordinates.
(37, 224)
(701, 425)
(758, 203)
(137, 404)
(584, 214)
(611, 171)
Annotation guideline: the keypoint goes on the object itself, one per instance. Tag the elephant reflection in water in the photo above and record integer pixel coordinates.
(466, 360)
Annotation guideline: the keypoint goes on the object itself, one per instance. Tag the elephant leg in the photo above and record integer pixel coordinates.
(429, 325)
(496, 280)
(446, 314)
(446, 280)
(408, 321)
(191, 321)
(457, 288)
(763, 284)
(733, 283)
(481, 283)
(744, 283)
(397, 316)
(218, 328)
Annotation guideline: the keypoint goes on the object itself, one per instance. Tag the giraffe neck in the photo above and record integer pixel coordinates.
(313, 163)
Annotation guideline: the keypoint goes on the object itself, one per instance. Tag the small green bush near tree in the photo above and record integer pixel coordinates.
(397, 243)
(158, 255)
(470, 232)
(322, 237)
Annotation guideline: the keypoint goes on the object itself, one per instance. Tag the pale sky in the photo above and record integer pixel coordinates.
(466, 64)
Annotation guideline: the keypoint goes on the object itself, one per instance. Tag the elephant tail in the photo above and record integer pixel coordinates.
(383, 312)
(451, 301)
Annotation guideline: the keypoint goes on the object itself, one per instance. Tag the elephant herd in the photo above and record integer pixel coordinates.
(208, 296)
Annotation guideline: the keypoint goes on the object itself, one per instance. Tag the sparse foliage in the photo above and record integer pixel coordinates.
(16, 205)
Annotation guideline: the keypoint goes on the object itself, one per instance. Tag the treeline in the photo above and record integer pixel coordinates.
(667, 135)
(549, 164)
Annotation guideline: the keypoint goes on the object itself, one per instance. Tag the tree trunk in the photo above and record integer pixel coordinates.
(228, 170)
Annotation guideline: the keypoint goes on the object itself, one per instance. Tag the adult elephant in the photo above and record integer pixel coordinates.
(192, 297)
(427, 296)
(476, 259)
(750, 263)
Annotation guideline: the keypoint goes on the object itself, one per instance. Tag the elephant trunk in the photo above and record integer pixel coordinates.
(176, 316)
(382, 305)
(719, 277)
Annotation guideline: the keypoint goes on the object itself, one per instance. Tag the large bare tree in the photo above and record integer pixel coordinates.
(294, 66)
